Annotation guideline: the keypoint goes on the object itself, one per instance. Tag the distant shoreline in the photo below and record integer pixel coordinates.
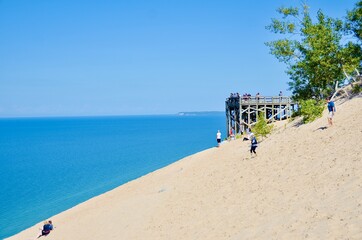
(201, 113)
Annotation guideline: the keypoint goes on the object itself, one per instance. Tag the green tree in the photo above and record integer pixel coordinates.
(261, 128)
(353, 26)
(313, 52)
(311, 109)
(354, 21)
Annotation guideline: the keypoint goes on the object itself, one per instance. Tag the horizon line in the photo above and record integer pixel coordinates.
(105, 115)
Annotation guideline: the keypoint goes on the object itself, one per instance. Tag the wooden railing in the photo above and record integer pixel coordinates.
(261, 100)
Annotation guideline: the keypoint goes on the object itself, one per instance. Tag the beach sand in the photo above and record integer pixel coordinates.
(305, 183)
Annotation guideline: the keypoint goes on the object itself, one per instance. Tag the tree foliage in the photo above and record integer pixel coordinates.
(354, 21)
(311, 109)
(261, 128)
(313, 52)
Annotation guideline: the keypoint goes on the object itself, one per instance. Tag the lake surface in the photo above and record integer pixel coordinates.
(49, 165)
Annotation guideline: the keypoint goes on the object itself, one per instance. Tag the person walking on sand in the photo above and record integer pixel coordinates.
(48, 226)
(331, 110)
(254, 145)
(218, 137)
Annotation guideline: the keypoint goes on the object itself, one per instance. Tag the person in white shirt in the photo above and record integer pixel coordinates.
(218, 137)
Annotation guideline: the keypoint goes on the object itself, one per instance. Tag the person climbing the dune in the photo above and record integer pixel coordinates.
(254, 145)
(331, 110)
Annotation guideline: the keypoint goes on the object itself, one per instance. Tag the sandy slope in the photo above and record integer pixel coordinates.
(305, 183)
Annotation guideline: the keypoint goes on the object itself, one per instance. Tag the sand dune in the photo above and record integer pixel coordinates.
(305, 183)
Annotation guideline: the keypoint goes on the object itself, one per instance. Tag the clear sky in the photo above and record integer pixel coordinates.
(73, 57)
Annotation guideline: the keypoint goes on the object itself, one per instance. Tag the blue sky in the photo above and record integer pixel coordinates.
(76, 58)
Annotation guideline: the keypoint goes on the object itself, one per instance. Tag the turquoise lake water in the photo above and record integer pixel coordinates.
(51, 164)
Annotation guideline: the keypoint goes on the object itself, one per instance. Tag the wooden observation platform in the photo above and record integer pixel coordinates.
(243, 112)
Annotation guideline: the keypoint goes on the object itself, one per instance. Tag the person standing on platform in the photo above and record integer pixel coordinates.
(257, 97)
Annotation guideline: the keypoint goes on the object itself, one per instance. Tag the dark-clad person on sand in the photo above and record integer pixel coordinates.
(48, 226)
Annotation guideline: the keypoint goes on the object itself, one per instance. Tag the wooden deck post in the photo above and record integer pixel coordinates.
(244, 108)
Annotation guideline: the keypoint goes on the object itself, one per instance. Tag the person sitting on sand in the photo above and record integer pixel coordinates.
(249, 135)
(48, 226)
